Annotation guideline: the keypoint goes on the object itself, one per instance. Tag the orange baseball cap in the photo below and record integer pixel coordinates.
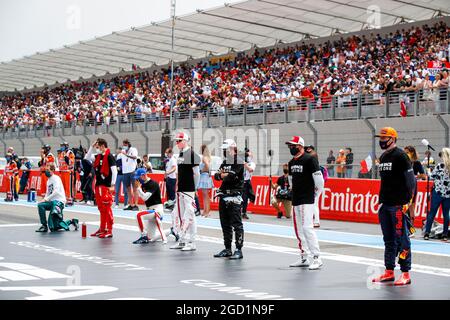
(388, 132)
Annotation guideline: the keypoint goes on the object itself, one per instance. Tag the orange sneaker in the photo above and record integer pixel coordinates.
(387, 276)
(97, 233)
(403, 280)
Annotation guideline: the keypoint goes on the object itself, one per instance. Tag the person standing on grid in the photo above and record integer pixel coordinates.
(187, 181)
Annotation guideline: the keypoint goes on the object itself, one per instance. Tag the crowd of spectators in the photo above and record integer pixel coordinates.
(303, 73)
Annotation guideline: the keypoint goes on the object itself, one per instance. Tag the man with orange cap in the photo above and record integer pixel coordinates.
(396, 192)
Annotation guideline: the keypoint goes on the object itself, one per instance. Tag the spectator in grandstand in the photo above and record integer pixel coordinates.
(129, 157)
(348, 162)
(331, 160)
(340, 162)
(205, 183)
(440, 195)
(283, 194)
(337, 69)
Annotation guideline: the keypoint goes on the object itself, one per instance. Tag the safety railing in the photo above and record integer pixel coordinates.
(336, 107)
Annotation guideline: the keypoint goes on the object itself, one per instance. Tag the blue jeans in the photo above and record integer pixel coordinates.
(331, 172)
(170, 188)
(348, 172)
(119, 181)
(394, 225)
(436, 202)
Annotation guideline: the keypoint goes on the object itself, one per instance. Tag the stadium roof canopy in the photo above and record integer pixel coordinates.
(232, 27)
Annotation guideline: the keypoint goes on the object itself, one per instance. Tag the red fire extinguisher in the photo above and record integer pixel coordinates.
(83, 230)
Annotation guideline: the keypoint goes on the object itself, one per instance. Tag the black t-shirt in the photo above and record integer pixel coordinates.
(418, 168)
(393, 166)
(301, 169)
(153, 187)
(283, 182)
(235, 169)
(100, 180)
(186, 162)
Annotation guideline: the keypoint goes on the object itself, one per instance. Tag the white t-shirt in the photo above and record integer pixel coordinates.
(55, 190)
(248, 174)
(129, 165)
(169, 165)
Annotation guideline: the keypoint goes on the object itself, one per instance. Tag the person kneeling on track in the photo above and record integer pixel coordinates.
(54, 201)
(150, 192)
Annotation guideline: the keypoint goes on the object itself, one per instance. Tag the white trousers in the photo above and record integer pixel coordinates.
(184, 216)
(149, 222)
(304, 230)
(316, 211)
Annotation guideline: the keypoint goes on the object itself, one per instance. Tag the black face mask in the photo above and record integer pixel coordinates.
(293, 151)
(285, 171)
(385, 144)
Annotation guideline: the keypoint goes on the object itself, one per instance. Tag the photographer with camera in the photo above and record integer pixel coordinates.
(283, 194)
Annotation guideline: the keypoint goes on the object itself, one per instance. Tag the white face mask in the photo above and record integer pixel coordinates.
(98, 151)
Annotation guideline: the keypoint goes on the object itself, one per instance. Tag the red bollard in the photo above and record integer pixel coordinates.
(83, 230)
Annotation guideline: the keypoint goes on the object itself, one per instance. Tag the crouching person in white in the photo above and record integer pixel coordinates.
(149, 221)
(307, 183)
(54, 201)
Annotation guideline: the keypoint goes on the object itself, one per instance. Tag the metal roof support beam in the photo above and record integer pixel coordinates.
(412, 4)
(281, 17)
(314, 11)
(154, 41)
(124, 63)
(87, 57)
(181, 38)
(21, 84)
(120, 50)
(18, 76)
(64, 61)
(228, 29)
(14, 73)
(255, 23)
(364, 8)
(146, 48)
(62, 66)
(23, 62)
(204, 33)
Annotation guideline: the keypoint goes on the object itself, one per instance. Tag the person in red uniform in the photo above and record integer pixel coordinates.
(46, 157)
(105, 179)
(66, 163)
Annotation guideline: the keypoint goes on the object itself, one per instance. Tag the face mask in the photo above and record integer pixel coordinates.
(125, 148)
(142, 181)
(98, 151)
(285, 171)
(48, 174)
(166, 155)
(293, 151)
(385, 144)
(8, 159)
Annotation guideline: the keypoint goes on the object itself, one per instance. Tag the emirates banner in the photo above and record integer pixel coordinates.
(343, 199)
